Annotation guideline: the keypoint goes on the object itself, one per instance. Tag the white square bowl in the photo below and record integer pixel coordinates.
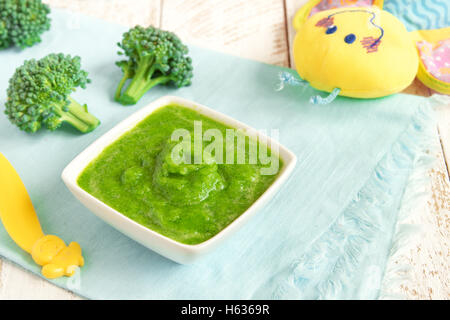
(174, 250)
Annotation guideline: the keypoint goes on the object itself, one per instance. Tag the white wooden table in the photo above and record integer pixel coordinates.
(261, 30)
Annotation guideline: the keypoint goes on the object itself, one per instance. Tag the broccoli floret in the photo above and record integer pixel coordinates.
(154, 57)
(38, 94)
(22, 22)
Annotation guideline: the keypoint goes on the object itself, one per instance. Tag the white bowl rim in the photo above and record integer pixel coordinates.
(96, 148)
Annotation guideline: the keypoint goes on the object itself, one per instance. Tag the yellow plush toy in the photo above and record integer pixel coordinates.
(364, 52)
(355, 51)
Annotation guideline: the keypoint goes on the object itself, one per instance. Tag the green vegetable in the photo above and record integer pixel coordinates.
(155, 57)
(39, 94)
(189, 203)
(22, 22)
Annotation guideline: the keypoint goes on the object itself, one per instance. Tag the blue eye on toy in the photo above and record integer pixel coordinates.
(350, 38)
(331, 29)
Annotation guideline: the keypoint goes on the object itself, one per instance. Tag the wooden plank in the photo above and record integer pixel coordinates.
(443, 117)
(291, 7)
(250, 29)
(16, 283)
(428, 255)
(124, 12)
(429, 259)
(418, 88)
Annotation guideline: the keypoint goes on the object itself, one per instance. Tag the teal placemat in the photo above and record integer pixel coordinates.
(331, 223)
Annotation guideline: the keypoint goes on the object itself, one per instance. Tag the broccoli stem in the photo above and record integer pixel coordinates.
(78, 116)
(142, 82)
(121, 84)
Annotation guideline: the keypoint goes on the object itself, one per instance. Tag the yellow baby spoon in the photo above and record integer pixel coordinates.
(21, 222)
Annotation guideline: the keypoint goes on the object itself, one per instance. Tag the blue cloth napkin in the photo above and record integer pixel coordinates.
(329, 227)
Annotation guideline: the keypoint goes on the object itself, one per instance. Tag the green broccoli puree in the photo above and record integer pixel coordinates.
(190, 203)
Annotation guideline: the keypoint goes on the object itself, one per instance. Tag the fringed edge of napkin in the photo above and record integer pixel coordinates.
(408, 230)
(340, 251)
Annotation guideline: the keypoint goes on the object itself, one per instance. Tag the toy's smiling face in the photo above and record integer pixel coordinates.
(365, 52)
(370, 43)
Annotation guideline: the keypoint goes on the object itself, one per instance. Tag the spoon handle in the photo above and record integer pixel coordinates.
(16, 210)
